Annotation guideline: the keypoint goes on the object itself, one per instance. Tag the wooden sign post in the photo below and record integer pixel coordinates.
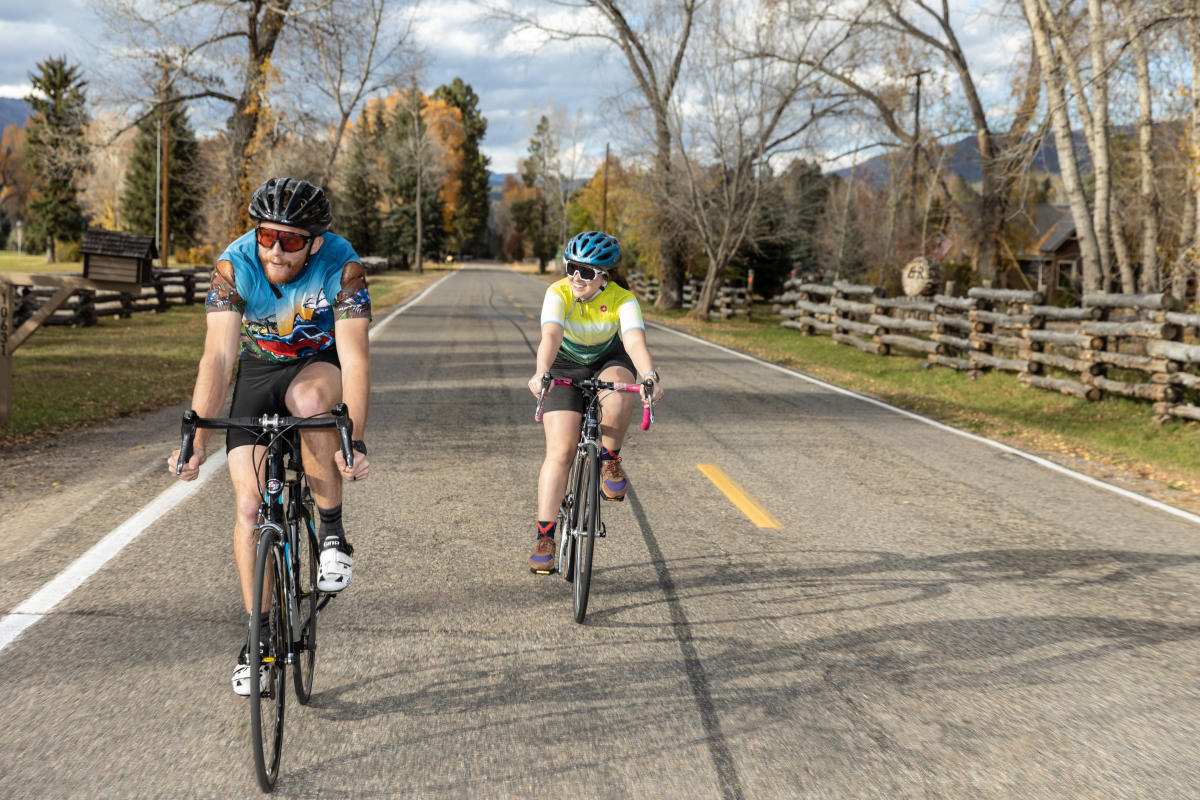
(6, 377)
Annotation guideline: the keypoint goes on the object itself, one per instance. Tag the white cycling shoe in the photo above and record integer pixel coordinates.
(335, 568)
(241, 679)
(241, 674)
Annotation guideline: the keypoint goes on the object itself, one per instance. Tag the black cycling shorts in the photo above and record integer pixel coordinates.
(568, 398)
(261, 388)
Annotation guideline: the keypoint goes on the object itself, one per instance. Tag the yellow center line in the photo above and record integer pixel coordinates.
(738, 496)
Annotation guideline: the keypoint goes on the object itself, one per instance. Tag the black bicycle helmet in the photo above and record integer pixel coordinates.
(594, 248)
(288, 201)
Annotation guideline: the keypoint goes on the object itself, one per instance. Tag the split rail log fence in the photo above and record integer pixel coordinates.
(645, 288)
(1132, 346)
(731, 301)
(86, 306)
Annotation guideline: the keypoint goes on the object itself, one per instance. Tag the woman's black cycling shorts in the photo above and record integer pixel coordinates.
(568, 398)
(261, 388)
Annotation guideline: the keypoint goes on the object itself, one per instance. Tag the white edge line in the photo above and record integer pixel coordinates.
(67, 581)
(45, 599)
(1042, 462)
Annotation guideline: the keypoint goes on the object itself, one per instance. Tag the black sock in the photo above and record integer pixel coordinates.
(331, 527)
(609, 455)
(546, 528)
(264, 626)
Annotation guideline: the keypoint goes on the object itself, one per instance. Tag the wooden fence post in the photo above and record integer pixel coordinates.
(6, 365)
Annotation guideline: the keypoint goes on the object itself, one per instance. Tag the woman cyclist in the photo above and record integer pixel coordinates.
(591, 328)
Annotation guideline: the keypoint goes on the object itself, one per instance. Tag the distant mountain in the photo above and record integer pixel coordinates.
(962, 158)
(13, 111)
(496, 182)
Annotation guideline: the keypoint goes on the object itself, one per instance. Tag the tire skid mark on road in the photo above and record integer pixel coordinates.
(43, 601)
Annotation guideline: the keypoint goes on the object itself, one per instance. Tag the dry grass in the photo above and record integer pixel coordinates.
(66, 378)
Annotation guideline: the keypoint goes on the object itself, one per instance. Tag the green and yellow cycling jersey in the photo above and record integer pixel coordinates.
(590, 327)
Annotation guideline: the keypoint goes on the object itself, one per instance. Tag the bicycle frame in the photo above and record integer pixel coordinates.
(579, 511)
(271, 512)
(292, 640)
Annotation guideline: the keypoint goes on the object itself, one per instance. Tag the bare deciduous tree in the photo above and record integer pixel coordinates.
(873, 29)
(226, 50)
(735, 113)
(349, 50)
(1051, 64)
(654, 39)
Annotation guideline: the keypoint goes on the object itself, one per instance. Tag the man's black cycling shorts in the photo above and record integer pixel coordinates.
(261, 388)
(568, 398)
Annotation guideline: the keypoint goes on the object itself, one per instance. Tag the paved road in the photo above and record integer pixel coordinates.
(935, 618)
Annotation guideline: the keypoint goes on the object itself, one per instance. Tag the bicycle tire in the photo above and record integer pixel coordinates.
(304, 566)
(568, 521)
(587, 507)
(267, 708)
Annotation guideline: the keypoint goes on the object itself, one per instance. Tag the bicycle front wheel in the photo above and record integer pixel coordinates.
(587, 514)
(268, 675)
(305, 573)
(568, 520)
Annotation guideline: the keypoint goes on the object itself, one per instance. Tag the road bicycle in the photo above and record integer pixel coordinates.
(285, 573)
(579, 513)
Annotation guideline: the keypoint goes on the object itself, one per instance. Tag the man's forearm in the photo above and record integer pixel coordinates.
(208, 396)
(356, 392)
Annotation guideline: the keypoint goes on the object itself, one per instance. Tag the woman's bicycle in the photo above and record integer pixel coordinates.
(579, 513)
(285, 573)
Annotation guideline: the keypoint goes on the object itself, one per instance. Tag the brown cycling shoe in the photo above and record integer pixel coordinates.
(541, 560)
(612, 480)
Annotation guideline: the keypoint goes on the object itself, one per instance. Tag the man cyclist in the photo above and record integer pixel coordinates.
(591, 328)
(288, 304)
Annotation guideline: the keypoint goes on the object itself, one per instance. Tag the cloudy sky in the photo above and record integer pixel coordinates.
(516, 79)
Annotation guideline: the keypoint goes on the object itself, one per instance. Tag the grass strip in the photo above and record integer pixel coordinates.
(67, 378)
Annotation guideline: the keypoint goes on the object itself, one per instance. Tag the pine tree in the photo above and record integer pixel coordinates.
(471, 216)
(56, 150)
(357, 206)
(532, 217)
(185, 185)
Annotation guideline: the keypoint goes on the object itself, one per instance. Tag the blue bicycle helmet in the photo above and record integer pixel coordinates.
(595, 249)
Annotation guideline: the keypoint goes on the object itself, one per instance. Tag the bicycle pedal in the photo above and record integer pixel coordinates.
(620, 499)
(543, 571)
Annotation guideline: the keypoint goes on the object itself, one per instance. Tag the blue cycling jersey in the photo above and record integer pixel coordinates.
(295, 319)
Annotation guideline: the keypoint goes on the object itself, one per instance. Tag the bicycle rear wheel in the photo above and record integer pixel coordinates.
(267, 697)
(587, 511)
(305, 573)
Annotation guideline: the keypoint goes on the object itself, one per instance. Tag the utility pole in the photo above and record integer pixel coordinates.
(161, 177)
(916, 148)
(164, 150)
(604, 203)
